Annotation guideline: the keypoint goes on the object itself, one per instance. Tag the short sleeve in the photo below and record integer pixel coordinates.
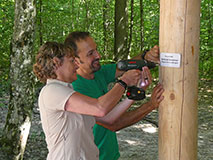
(54, 96)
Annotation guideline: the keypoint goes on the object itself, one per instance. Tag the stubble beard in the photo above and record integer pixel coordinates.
(95, 67)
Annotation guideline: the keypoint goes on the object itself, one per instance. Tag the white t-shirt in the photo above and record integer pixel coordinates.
(69, 135)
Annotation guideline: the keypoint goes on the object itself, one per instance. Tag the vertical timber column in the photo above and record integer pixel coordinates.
(179, 33)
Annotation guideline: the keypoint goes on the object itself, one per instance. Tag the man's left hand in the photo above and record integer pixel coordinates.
(153, 55)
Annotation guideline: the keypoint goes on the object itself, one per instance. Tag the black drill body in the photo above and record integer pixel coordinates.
(134, 92)
(125, 65)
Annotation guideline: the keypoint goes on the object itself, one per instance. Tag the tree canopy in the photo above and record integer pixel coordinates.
(120, 28)
(55, 19)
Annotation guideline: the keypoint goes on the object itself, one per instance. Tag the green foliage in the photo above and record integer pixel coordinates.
(206, 39)
(6, 30)
(55, 19)
(6, 27)
(151, 26)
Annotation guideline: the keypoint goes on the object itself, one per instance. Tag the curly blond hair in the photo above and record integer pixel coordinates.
(44, 66)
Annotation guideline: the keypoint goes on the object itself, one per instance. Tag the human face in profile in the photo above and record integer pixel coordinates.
(88, 56)
(66, 72)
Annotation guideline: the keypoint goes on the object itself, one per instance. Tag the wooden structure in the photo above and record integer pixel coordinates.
(179, 33)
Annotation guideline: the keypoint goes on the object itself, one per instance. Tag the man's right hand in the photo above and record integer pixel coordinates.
(131, 77)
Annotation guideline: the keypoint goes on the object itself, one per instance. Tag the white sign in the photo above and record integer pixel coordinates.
(170, 59)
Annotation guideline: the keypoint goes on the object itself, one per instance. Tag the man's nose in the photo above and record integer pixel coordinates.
(97, 55)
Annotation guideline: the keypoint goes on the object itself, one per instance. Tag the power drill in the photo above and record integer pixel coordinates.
(134, 92)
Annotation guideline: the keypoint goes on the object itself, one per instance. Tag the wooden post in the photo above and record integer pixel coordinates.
(179, 33)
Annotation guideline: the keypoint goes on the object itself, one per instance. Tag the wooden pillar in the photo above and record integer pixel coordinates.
(179, 33)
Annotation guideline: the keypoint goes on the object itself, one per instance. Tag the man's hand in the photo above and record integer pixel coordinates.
(157, 96)
(146, 78)
(131, 77)
(153, 55)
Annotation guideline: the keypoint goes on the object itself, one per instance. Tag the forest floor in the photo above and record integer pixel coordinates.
(137, 142)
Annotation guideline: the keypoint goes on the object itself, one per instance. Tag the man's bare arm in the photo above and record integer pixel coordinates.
(129, 118)
(134, 116)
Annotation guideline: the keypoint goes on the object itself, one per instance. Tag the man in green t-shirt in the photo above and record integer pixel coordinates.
(93, 80)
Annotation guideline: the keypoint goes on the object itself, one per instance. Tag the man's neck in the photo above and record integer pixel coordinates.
(85, 74)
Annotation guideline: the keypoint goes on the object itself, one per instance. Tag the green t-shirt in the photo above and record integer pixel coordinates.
(105, 139)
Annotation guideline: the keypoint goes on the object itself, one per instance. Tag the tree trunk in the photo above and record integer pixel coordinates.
(106, 29)
(18, 120)
(131, 25)
(121, 30)
(210, 28)
(179, 33)
(40, 23)
(141, 25)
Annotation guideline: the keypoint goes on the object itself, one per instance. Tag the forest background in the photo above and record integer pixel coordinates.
(56, 19)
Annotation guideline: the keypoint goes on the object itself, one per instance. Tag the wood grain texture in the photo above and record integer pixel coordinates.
(179, 33)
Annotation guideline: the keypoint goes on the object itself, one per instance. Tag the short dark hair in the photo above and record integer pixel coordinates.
(74, 37)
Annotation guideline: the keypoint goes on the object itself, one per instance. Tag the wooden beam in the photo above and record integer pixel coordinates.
(179, 33)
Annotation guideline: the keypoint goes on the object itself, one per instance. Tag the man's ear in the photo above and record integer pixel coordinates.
(56, 62)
